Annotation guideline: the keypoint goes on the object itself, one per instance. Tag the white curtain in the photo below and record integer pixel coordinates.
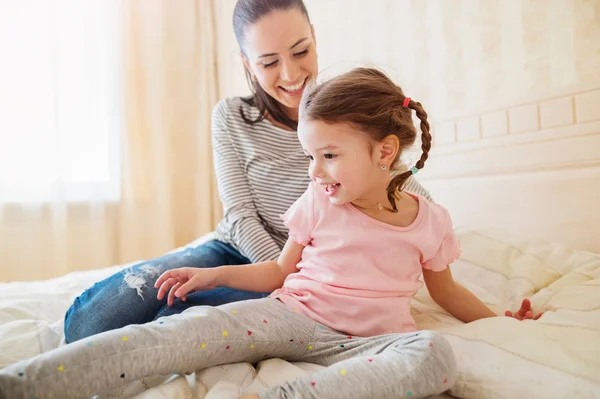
(104, 132)
(60, 100)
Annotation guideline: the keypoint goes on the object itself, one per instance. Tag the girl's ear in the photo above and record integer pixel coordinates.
(388, 149)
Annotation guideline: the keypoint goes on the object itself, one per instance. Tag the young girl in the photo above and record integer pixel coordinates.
(343, 283)
(256, 184)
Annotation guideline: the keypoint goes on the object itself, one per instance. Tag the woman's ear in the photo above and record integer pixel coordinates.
(247, 66)
(388, 149)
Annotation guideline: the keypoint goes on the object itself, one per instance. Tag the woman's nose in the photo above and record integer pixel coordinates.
(290, 71)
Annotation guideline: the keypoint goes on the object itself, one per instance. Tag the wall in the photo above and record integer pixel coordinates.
(451, 55)
(512, 88)
(532, 167)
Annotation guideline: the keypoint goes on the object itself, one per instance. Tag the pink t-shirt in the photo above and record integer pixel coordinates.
(357, 275)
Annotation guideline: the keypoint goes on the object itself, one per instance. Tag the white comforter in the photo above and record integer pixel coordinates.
(557, 356)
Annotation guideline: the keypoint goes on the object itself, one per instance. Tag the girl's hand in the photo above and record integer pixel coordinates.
(525, 313)
(180, 282)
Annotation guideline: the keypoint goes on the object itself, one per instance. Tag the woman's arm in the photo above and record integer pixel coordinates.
(453, 297)
(245, 227)
(415, 187)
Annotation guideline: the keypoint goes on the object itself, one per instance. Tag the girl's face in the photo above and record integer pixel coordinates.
(280, 53)
(345, 163)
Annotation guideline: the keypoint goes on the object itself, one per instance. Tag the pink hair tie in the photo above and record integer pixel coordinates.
(406, 102)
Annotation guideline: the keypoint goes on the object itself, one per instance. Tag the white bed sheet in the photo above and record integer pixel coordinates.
(557, 356)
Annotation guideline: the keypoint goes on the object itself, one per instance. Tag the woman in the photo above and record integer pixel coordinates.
(260, 166)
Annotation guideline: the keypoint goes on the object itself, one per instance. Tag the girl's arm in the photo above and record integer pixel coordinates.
(265, 276)
(455, 298)
(258, 277)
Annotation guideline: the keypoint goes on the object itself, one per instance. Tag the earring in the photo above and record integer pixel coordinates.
(383, 167)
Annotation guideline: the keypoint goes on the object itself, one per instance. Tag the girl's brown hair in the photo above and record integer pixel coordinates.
(245, 13)
(369, 101)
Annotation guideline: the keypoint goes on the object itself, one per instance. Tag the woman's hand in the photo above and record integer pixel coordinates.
(180, 282)
(525, 313)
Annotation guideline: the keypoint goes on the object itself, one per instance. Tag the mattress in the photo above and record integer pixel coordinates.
(557, 356)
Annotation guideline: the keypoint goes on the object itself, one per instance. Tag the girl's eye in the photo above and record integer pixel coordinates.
(301, 53)
(270, 64)
(329, 156)
(309, 157)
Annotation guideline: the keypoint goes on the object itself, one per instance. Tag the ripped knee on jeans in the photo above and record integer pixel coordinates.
(138, 278)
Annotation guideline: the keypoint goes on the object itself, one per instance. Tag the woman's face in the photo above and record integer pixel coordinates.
(280, 53)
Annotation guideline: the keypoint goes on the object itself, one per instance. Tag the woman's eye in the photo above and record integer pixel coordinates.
(270, 64)
(301, 53)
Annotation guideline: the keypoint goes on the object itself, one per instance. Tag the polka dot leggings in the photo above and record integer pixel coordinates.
(415, 365)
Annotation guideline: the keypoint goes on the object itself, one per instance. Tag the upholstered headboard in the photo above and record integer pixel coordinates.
(532, 166)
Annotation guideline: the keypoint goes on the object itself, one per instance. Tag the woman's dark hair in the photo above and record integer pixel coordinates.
(368, 100)
(247, 12)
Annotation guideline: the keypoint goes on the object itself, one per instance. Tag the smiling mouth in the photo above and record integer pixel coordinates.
(330, 189)
(295, 88)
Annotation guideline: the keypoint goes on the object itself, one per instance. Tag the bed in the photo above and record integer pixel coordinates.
(524, 198)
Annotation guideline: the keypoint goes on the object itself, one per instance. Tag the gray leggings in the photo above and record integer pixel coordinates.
(413, 365)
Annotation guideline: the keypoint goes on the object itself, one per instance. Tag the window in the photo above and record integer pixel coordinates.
(60, 100)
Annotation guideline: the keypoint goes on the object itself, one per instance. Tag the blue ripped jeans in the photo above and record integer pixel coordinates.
(129, 297)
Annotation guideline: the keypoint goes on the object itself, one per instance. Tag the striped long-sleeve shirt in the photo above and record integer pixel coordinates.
(261, 170)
